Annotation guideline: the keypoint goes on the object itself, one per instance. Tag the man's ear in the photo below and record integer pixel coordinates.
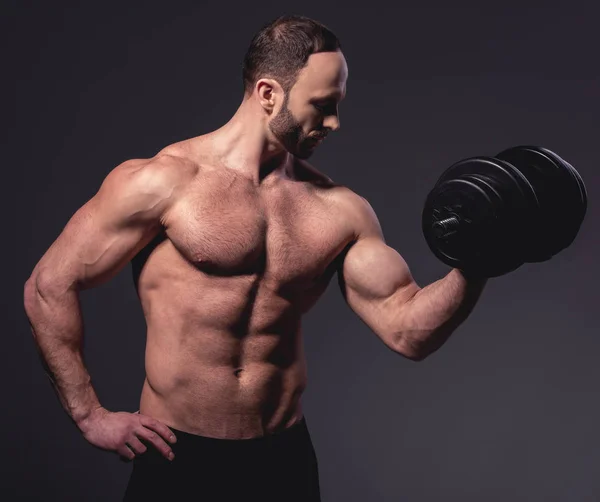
(269, 93)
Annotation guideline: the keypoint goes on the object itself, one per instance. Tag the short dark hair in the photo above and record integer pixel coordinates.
(282, 47)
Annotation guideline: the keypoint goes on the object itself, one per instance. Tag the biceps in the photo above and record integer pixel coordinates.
(374, 271)
(376, 283)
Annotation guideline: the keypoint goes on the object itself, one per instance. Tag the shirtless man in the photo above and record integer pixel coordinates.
(233, 236)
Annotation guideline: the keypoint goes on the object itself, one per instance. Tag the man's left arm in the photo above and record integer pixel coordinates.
(377, 284)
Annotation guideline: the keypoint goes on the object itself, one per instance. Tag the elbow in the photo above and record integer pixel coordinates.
(414, 357)
(33, 286)
(43, 284)
(417, 348)
(29, 292)
(411, 350)
(37, 288)
(31, 302)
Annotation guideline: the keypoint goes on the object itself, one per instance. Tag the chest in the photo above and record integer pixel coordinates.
(289, 233)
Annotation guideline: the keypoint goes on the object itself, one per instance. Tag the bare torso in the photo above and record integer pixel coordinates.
(224, 288)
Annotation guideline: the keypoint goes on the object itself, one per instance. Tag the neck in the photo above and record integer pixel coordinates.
(245, 145)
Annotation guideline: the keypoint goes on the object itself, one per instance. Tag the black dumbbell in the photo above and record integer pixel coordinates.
(489, 215)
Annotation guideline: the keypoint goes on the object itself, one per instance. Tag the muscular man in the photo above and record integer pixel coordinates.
(233, 236)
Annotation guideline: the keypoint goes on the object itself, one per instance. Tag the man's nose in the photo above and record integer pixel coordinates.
(332, 123)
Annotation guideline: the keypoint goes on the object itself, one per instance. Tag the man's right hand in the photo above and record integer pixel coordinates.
(121, 432)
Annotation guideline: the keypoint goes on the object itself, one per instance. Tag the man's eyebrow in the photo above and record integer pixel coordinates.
(334, 95)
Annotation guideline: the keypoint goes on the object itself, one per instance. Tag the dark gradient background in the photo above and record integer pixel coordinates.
(507, 410)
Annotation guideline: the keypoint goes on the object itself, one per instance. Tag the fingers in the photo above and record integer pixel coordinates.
(136, 445)
(125, 454)
(159, 427)
(157, 441)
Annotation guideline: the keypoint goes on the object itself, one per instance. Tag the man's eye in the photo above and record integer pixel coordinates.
(319, 107)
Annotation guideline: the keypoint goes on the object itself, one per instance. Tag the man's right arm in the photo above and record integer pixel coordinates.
(98, 241)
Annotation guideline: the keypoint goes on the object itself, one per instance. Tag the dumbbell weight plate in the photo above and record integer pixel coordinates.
(457, 197)
(498, 253)
(582, 189)
(581, 185)
(514, 189)
(488, 222)
(578, 211)
(559, 197)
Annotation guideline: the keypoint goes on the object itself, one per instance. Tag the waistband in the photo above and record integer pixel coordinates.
(188, 439)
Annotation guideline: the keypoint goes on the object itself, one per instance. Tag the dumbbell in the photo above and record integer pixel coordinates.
(489, 215)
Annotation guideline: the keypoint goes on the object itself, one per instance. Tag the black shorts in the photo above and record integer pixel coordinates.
(278, 467)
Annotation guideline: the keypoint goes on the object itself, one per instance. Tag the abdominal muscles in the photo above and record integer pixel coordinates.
(224, 357)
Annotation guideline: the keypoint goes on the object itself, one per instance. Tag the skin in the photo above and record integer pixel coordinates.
(235, 236)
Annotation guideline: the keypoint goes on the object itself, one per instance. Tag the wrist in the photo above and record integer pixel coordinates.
(85, 422)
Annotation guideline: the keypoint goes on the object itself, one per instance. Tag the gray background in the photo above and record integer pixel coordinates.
(506, 410)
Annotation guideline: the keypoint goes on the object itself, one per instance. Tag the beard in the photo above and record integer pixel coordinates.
(290, 134)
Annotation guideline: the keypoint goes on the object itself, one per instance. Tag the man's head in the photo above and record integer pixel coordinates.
(296, 71)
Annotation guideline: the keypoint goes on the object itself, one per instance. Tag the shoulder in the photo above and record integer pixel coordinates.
(173, 166)
(147, 186)
(365, 220)
(340, 193)
(355, 210)
(162, 173)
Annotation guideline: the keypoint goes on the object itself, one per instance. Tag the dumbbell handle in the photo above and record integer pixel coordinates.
(445, 227)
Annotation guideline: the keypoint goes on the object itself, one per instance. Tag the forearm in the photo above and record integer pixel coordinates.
(57, 327)
(436, 310)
